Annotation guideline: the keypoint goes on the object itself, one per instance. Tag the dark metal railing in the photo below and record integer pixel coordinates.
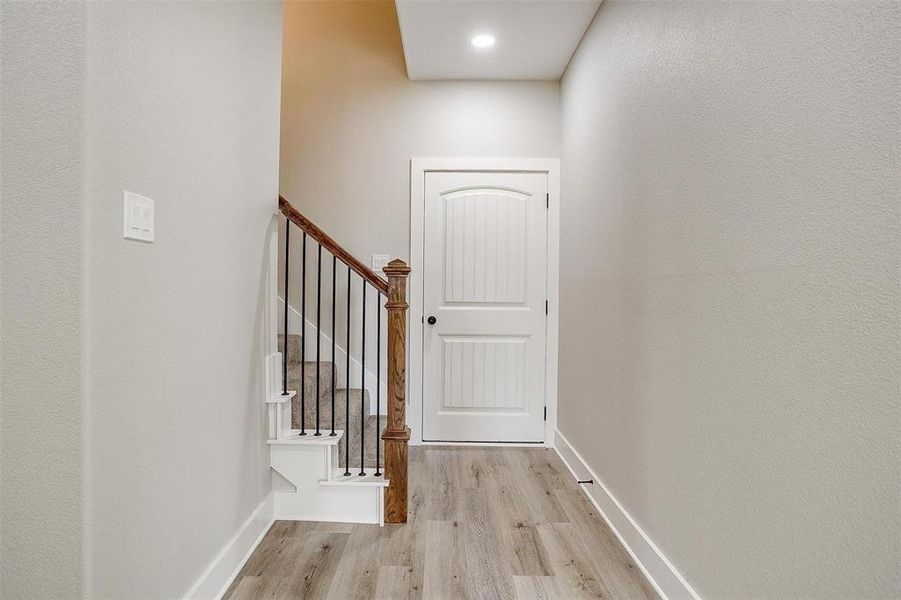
(396, 434)
(318, 330)
(314, 405)
(303, 338)
(334, 362)
(347, 385)
(287, 270)
(363, 387)
(378, 382)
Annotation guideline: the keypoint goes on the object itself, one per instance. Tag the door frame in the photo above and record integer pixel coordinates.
(418, 169)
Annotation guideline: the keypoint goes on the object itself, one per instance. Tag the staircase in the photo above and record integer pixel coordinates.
(333, 455)
(358, 408)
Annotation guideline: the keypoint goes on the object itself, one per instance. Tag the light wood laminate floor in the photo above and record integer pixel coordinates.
(483, 523)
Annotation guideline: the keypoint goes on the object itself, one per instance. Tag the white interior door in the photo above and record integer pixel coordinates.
(484, 294)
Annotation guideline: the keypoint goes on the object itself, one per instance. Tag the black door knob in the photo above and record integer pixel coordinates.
(431, 320)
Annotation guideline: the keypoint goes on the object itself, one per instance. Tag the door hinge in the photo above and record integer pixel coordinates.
(545, 307)
(547, 200)
(545, 413)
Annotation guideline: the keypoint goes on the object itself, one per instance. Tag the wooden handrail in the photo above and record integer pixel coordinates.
(313, 230)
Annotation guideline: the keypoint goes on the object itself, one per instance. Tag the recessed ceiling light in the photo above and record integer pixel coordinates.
(483, 41)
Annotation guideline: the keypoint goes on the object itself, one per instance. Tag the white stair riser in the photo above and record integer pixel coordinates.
(306, 467)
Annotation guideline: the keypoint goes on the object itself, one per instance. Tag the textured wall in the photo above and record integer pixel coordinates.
(351, 122)
(729, 322)
(137, 365)
(41, 298)
(182, 106)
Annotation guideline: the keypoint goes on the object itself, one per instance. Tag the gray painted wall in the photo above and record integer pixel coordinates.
(42, 248)
(183, 106)
(730, 256)
(156, 395)
(351, 122)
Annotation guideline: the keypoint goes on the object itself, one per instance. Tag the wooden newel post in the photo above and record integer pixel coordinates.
(396, 434)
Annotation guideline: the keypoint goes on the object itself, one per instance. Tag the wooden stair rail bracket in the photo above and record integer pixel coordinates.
(397, 434)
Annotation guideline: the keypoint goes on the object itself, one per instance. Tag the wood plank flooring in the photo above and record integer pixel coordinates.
(484, 523)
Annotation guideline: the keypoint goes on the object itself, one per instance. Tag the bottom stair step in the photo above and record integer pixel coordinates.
(307, 485)
(370, 433)
(354, 479)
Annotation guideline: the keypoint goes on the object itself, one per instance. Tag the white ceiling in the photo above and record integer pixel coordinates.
(535, 38)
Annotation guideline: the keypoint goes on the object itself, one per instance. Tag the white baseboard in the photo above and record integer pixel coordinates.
(662, 574)
(223, 569)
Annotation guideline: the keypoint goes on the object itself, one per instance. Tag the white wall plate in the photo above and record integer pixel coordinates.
(379, 261)
(138, 217)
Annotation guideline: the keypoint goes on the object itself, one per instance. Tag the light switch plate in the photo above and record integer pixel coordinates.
(379, 261)
(138, 221)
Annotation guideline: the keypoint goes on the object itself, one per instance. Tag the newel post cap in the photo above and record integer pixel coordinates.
(396, 267)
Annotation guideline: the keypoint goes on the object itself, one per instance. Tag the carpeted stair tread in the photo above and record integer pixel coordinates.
(293, 347)
(369, 440)
(307, 392)
(358, 403)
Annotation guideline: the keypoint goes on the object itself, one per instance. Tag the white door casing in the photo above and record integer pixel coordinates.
(484, 284)
(419, 168)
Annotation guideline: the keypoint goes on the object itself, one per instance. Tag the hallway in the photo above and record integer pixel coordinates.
(483, 523)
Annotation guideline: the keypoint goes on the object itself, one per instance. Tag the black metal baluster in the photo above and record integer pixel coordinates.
(303, 336)
(363, 389)
(334, 362)
(285, 348)
(318, 325)
(347, 388)
(378, 380)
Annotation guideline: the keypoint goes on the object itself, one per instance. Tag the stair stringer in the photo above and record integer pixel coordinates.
(310, 465)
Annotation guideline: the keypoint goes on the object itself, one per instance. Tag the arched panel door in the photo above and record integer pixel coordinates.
(485, 272)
